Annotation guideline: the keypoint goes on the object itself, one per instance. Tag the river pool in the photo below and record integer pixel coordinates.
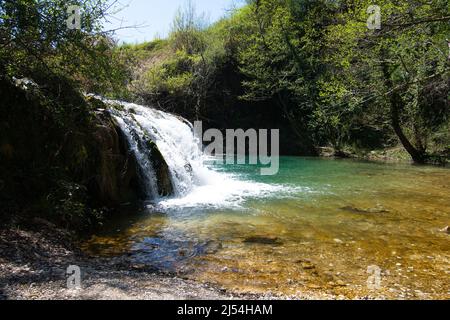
(338, 227)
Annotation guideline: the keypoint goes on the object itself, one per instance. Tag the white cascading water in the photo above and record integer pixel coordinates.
(175, 140)
(194, 183)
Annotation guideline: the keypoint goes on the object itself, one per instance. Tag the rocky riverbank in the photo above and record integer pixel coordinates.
(34, 259)
(395, 154)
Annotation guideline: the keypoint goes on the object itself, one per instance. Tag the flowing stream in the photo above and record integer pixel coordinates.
(319, 225)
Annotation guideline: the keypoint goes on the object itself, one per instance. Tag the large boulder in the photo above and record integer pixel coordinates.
(114, 178)
(117, 176)
(165, 187)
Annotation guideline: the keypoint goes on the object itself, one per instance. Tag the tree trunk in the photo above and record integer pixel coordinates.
(303, 140)
(395, 104)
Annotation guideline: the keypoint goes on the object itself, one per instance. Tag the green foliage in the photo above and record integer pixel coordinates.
(327, 70)
(309, 67)
(46, 148)
(388, 74)
(331, 79)
(35, 42)
(178, 73)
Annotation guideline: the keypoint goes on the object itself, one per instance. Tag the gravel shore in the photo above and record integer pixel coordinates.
(34, 262)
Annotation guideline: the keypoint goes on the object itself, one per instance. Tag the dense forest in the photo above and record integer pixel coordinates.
(312, 68)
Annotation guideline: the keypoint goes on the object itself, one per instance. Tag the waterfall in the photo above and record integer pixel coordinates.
(175, 140)
(194, 184)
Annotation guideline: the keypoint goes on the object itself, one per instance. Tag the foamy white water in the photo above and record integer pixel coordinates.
(194, 183)
(224, 193)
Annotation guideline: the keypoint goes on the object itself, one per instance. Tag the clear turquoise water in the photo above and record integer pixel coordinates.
(316, 226)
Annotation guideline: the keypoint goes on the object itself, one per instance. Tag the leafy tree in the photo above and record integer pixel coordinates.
(35, 41)
(314, 63)
(393, 68)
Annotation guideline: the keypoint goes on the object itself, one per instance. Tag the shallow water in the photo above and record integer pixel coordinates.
(316, 226)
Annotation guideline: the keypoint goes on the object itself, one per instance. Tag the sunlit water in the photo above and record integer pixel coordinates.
(315, 227)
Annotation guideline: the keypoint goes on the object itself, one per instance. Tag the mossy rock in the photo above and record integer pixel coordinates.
(95, 103)
(114, 168)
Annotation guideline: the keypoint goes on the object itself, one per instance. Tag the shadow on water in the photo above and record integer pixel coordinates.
(146, 236)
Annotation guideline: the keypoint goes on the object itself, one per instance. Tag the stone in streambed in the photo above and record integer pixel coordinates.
(307, 265)
(263, 240)
(377, 209)
(313, 286)
(212, 247)
(446, 230)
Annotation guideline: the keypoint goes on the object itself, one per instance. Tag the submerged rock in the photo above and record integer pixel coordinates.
(377, 209)
(446, 230)
(212, 247)
(263, 240)
(165, 187)
(307, 265)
